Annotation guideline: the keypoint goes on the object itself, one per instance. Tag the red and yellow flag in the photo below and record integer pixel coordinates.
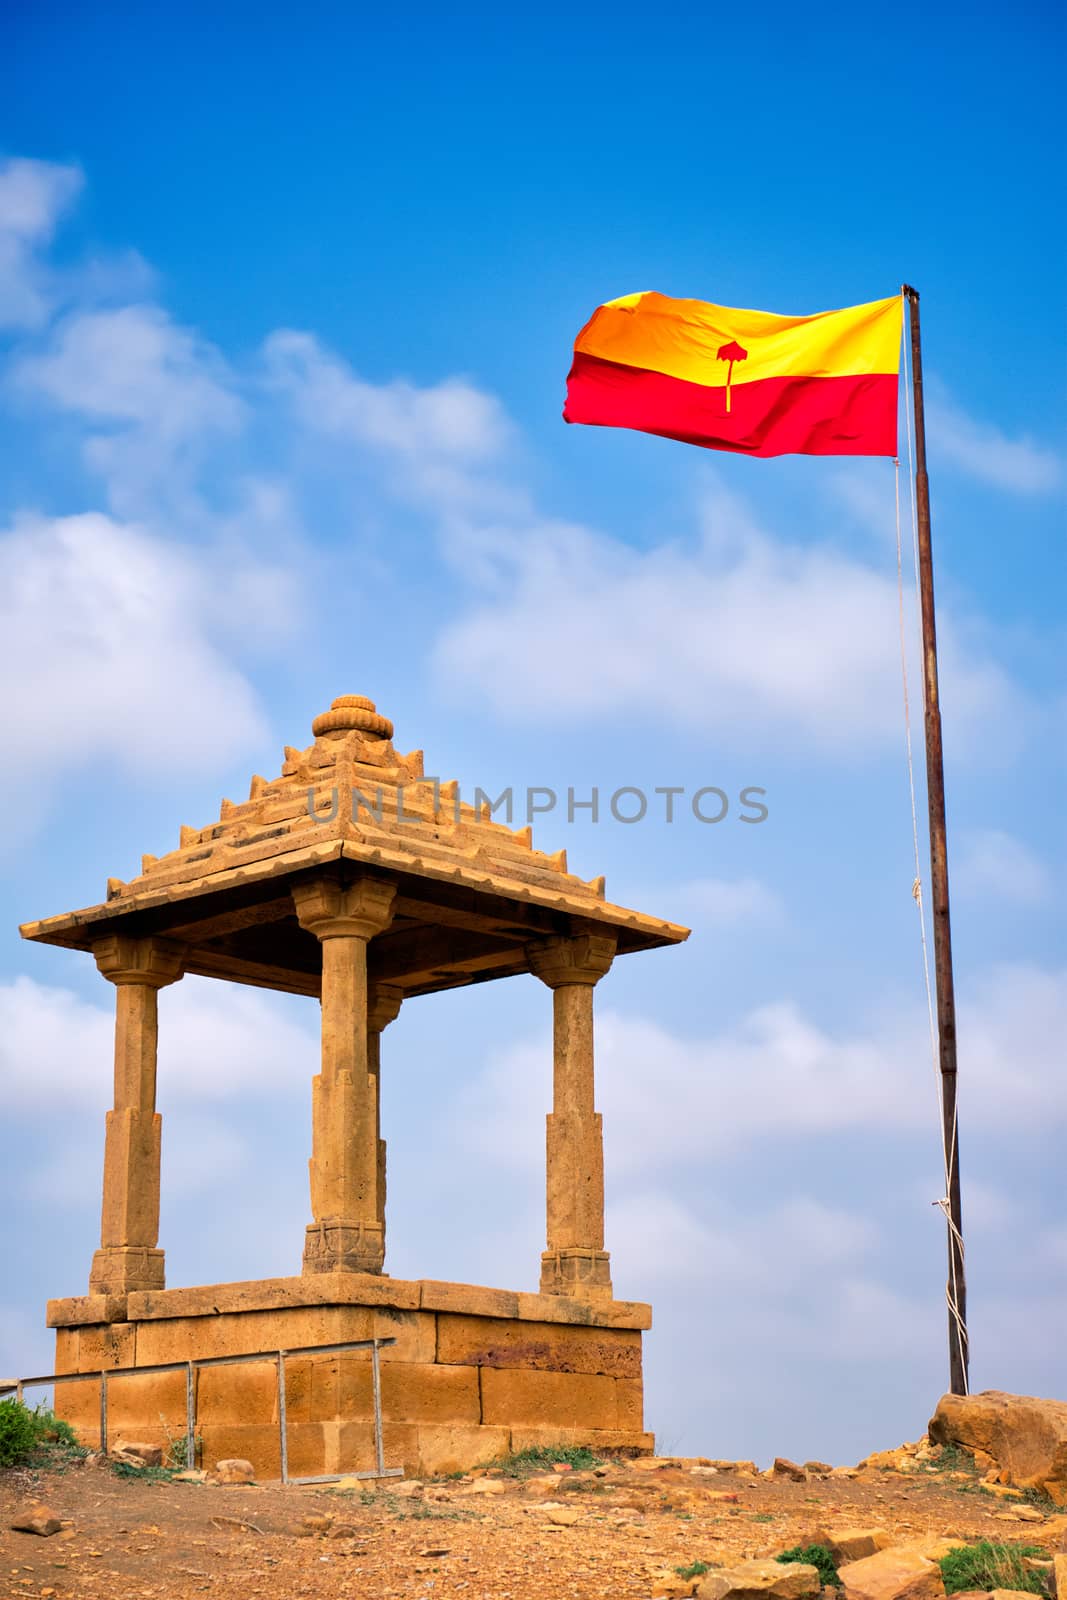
(748, 381)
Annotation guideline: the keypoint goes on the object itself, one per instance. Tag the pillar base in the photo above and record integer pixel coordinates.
(344, 1247)
(125, 1269)
(577, 1273)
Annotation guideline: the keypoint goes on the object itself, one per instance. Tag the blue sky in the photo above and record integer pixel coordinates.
(285, 314)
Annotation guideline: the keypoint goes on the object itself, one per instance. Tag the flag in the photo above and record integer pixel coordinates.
(748, 381)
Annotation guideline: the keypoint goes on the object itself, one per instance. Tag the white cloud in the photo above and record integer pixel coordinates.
(440, 440)
(792, 642)
(151, 393)
(33, 195)
(721, 903)
(110, 635)
(999, 866)
(217, 1042)
(984, 451)
(134, 366)
(451, 419)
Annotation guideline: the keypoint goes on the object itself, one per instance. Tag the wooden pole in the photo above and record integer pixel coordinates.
(958, 1352)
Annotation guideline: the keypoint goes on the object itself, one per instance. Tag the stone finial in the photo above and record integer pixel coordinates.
(350, 713)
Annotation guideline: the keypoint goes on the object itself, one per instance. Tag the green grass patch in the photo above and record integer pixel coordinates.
(695, 1569)
(988, 1565)
(130, 1469)
(953, 1458)
(543, 1457)
(818, 1556)
(763, 1516)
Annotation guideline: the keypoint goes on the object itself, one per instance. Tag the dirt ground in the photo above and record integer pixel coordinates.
(137, 1539)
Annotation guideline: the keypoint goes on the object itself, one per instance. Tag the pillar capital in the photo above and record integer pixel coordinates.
(333, 910)
(152, 962)
(383, 1005)
(583, 958)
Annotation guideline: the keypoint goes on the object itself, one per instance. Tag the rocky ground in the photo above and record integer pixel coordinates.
(617, 1531)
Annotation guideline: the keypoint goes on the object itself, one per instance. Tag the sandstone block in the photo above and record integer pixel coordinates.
(419, 1393)
(562, 1516)
(1024, 1434)
(148, 1455)
(444, 1448)
(246, 1395)
(784, 1468)
(893, 1574)
(630, 1404)
(752, 1580)
(855, 1544)
(487, 1486)
(563, 1399)
(39, 1519)
(1059, 1577)
(143, 1406)
(105, 1345)
(234, 1471)
(257, 1443)
(79, 1404)
(612, 1441)
(546, 1346)
(350, 1447)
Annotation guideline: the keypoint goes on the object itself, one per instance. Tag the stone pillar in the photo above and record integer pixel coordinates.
(128, 1257)
(383, 1007)
(575, 1262)
(348, 1232)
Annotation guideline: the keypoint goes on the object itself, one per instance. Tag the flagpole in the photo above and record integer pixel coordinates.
(958, 1345)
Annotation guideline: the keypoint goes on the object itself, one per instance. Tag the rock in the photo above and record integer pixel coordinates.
(562, 1466)
(730, 1466)
(191, 1475)
(817, 1466)
(894, 1574)
(1027, 1514)
(562, 1516)
(39, 1519)
(1009, 1594)
(1059, 1577)
(234, 1471)
(313, 1523)
(899, 1460)
(405, 1488)
(754, 1580)
(653, 1463)
(145, 1455)
(343, 1530)
(487, 1486)
(1024, 1434)
(855, 1544)
(669, 1585)
(784, 1468)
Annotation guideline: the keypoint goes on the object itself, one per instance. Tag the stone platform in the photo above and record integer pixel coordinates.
(474, 1373)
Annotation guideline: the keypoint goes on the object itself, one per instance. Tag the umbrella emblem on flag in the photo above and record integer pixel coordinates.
(731, 352)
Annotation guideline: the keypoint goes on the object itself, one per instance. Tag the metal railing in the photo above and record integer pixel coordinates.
(190, 1368)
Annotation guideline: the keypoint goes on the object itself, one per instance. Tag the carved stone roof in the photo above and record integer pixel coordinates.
(372, 806)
